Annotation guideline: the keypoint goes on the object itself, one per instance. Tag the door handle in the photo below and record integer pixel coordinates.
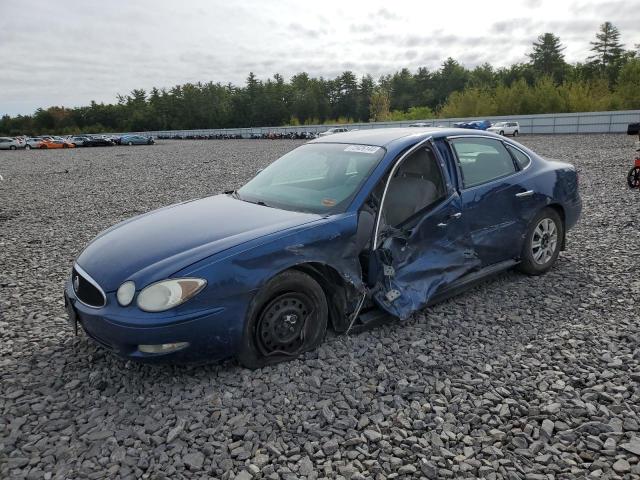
(528, 193)
(453, 216)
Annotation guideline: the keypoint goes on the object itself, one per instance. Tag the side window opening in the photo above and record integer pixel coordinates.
(416, 185)
(482, 160)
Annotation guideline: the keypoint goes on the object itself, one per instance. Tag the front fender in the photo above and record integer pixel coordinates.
(244, 269)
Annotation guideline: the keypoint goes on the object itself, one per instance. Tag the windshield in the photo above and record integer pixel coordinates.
(317, 177)
(499, 124)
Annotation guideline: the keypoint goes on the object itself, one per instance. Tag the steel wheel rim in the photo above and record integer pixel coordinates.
(281, 325)
(544, 242)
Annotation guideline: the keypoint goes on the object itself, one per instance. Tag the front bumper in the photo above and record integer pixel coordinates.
(212, 335)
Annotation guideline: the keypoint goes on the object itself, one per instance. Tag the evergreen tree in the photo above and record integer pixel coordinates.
(607, 48)
(547, 58)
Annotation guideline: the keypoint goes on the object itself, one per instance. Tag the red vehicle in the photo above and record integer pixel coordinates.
(56, 143)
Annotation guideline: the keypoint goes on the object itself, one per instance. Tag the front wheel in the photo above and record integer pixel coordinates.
(542, 242)
(501, 132)
(515, 133)
(287, 317)
(130, 143)
(12, 147)
(28, 147)
(43, 147)
(633, 179)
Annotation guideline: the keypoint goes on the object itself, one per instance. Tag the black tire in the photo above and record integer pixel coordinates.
(538, 260)
(130, 143)
(633, 178)
(515, 133)
(64, 145)
(269, 335)
(28, 147)
(502, 132)
(12, 147)
(43, 147)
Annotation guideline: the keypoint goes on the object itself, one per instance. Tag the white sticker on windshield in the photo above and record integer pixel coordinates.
(362, 148)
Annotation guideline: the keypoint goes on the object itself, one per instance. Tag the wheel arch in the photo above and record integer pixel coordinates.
(336, 290)
(559, 209)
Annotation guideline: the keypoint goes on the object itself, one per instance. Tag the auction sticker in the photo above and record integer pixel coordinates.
(362, 148)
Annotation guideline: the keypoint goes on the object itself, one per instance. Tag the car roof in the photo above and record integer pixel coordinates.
(381, 137)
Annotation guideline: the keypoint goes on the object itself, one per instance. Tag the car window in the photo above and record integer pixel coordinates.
(416, 185)
(482, 160)
(317, 178)
(522, 159)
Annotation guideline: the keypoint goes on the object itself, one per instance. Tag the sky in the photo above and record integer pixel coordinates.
(70, 52)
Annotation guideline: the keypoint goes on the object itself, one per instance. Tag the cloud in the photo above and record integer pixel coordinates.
(384, 14)
(361, 28)
(89, 52)
(306, 32)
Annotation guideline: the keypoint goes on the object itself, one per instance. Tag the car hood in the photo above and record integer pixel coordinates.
(156, 244)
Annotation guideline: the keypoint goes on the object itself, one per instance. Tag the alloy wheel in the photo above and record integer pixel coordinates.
(544, 242)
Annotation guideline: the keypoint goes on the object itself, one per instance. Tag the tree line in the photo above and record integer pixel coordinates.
(609, 79)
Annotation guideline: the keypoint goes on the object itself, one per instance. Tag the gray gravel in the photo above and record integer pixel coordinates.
(521, 378)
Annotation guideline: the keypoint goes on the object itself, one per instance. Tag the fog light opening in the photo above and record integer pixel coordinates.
(163, 347)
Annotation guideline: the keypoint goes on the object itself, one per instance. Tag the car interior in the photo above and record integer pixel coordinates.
(416, 185)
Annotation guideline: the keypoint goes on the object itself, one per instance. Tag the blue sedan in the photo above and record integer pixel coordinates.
(136, 140)
(337, 233)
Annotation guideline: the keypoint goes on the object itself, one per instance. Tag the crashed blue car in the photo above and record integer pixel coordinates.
(337, 233)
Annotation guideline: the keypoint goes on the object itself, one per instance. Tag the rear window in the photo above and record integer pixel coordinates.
(522, 159)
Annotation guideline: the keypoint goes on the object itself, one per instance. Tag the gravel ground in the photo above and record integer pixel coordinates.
(521, 378)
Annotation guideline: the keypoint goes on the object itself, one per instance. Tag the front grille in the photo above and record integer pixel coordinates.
(86, 289)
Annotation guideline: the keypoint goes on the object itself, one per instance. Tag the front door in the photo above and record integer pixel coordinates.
(421, 242)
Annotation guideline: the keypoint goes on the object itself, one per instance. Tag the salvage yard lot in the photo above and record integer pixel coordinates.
(520, 377)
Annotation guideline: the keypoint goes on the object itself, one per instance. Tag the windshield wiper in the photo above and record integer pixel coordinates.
(233, 194)
(236, 195)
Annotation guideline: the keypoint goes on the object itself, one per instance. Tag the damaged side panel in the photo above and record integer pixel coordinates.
(411, 267)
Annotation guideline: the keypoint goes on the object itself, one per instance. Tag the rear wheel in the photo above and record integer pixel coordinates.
(130, 143)
(28, 147)
(501, 132)
(542, 242)
(633, 179)
(43, 147)
(286, 318)
(515, 133)
(64, 145)
(12, 147)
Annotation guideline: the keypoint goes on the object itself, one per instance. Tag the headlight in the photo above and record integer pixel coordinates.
(126, 292)
(169, 293)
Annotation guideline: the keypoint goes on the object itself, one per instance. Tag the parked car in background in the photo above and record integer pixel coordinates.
(7, 143)
(474, 125)
(421, 124)
(387, 220)
(331, 131)
(56, 143)
(35, 142)
(136, 140)
(505, 128)
(79, 141)
(98, 142)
